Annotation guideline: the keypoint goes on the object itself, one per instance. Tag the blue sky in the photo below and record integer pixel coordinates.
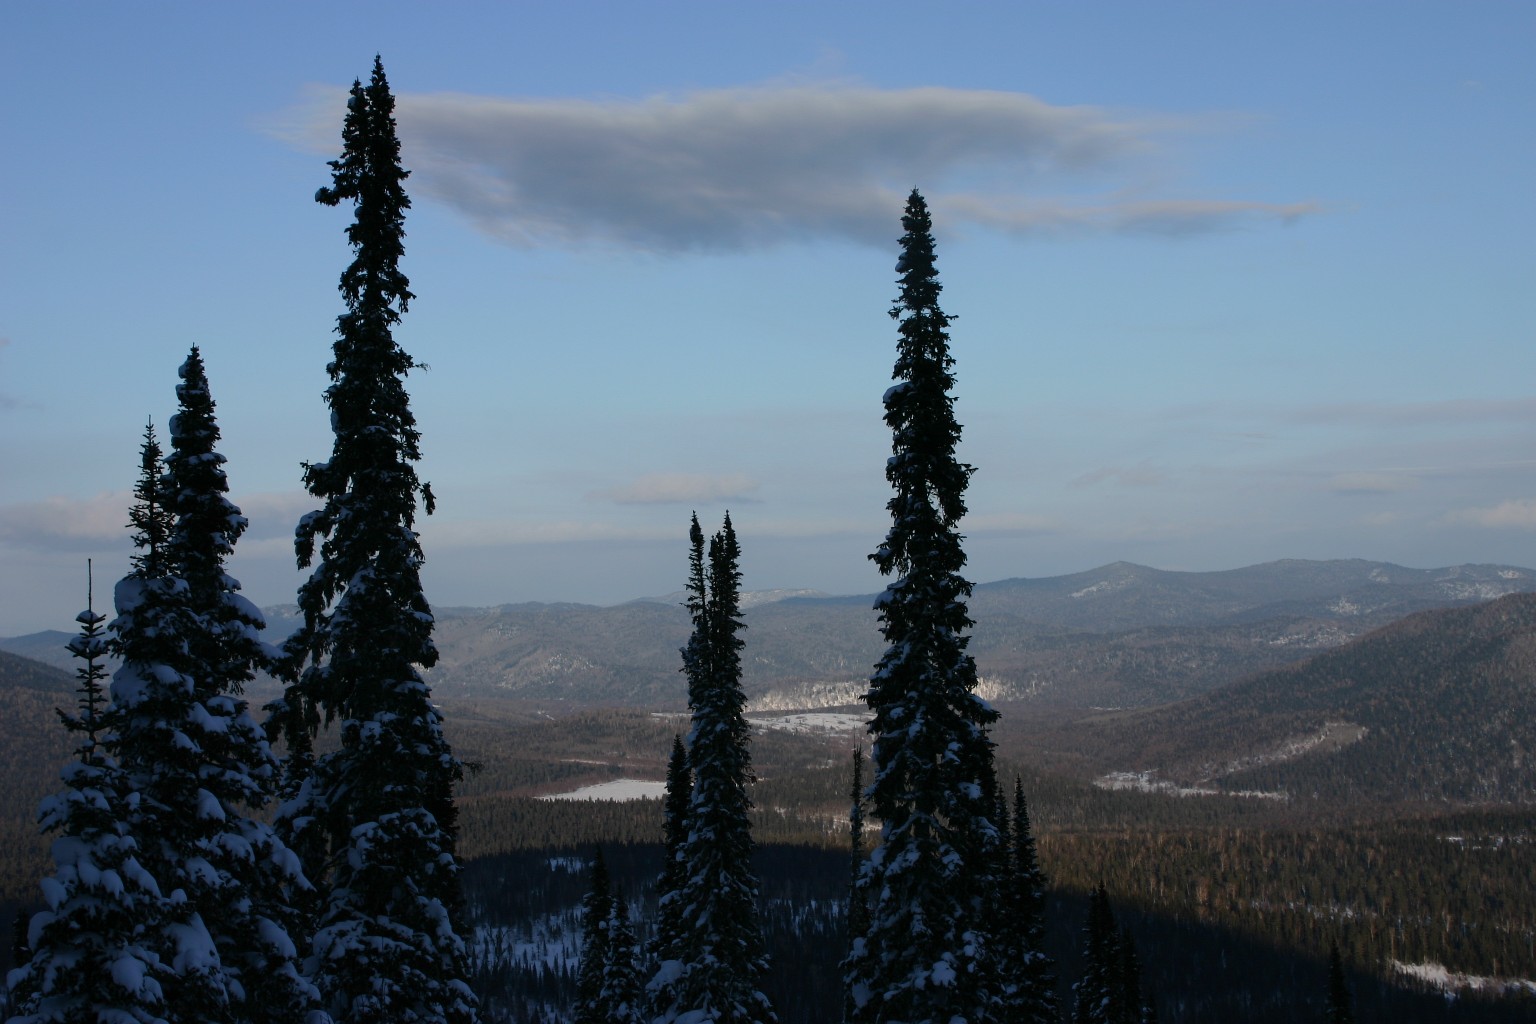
(1234, 282)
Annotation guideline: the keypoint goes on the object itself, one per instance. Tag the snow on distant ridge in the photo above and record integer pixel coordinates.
(749, 598)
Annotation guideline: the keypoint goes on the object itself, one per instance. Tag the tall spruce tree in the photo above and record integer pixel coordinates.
(1131, 1008)
(596, 909)
(1341, 1005)
(158, 731)
(93, 954)
(380, 806)
(1097, 995)
(720, 951)
(858, 908)
(1028, 973)
(239, 875)
(667, 935)
(925, 955)
(621, 997)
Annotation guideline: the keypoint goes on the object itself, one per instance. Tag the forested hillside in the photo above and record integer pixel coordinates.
(1437, 709)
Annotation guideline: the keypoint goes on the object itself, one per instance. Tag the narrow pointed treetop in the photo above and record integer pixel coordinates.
(90, 646)
(208, 525)
(149, 517)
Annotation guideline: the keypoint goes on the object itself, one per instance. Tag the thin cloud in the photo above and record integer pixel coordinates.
(1171, 217)
(67, 524)
(1140, 476)
(1009, 524)
(1516, 514)
(679, 489)
(733, 169)
(1450, 411)
(7, 401)
(85, 524)
(1369, 483)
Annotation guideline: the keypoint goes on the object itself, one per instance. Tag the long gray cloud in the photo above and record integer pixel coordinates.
(750, 167)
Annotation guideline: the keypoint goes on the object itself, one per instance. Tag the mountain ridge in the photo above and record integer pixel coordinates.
(1119, 635)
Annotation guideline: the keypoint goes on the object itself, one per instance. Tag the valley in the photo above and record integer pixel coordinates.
(1254, 764)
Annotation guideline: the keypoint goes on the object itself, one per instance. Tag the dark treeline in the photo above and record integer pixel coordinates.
(1195, 970)
(1454, 891)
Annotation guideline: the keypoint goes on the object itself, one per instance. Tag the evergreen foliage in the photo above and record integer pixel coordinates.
(622, 995)
(1028, 973)
(1130, 1009)
(858, 909)
(925, 955)
(1098, 996)
(159, 727)
(93, 950)
(377, 813)
(21, 953)
(720, 951)
(1341, 1005)
(596, 909)
(237, 872)
(150, 517)
(666, 943)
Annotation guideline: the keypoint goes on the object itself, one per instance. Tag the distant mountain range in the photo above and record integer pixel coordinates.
(1119, 636)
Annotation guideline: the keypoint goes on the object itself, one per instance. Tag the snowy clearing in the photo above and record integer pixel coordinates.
(1144, 782)
(1449, 981)
(829, 722)
(621, 791)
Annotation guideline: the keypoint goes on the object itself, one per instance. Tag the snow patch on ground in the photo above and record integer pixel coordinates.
(1344, 606)
(621, 790)
(1102, 587)
(1487, 842)
(1316, 638)
(1483, 590)
(1146, 782)
(1449, 981)
(1328, 737)
(836, 693)
(815, 722)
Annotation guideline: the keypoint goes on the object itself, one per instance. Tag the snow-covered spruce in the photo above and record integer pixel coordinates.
(1027, 976)
(666, 936)
(622, 997)
(374, 819)
(719, 950)
(596, 909)
(195, 764)
(608, 984)
(241, 877)
(926, 955)
(93, 957)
